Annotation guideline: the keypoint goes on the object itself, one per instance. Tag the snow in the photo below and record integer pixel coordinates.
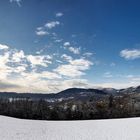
(115, 129)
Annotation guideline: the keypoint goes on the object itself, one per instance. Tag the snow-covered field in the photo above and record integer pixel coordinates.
(17, 129)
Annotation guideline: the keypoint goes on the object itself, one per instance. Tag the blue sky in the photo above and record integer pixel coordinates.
(50, 45)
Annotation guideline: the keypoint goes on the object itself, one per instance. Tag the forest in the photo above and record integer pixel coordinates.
(110, 107)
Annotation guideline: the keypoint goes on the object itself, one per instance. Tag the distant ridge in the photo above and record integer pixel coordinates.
(76, 93)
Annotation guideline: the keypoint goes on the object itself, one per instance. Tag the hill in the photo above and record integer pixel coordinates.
(73, 94)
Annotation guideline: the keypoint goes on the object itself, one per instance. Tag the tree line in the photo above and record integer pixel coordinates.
(112, 107)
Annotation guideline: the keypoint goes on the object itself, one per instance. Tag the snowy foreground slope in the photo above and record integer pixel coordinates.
(17, 129)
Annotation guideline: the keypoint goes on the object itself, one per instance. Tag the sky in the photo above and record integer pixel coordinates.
(48, 45)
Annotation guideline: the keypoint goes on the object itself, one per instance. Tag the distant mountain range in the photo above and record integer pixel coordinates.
(73, 94)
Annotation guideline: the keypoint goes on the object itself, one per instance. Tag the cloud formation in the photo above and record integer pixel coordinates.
(52, 24)
(23, 72)
(130, 54)
(40, 31)
(59, 14)
(66, 44)
(38, 60)
(74, 50)
(3, 47)
(17, 1)
(74, 68)
(45, 30)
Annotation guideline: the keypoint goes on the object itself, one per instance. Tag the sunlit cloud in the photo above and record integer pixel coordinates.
(74, 68)
(30, 73)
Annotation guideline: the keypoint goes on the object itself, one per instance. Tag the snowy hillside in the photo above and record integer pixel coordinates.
(17, 129)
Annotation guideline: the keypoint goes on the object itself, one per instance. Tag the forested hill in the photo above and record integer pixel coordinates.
(73, 93)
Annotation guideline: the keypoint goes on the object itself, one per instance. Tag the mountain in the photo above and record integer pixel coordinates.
(81, 94)
(80, 91)
(68, 94)
(130, 90)
(73, 94)
(110, 90)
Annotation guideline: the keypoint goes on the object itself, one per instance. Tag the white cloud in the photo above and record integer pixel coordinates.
(130, 54)
(59, 14)
(88, 54)
(50, 75)
(69, 71)
(59, 61)
(66, 44)
(52, 24)
(34, 76)
(17, 1)
(52, 86)
(58, 40)
(17, 73)
(3, 47)
(116, 85)
(40, 28)
(66, 57)
(39, 52)
(43, 30)
(74, 50)
(38, 60)
(28, 72)
(19, 69)
(74, 68)
(82, 63)
(15, 68)
(10, 62)
(18, 56)
(49, 57)
(4, 68)
(42, 33)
